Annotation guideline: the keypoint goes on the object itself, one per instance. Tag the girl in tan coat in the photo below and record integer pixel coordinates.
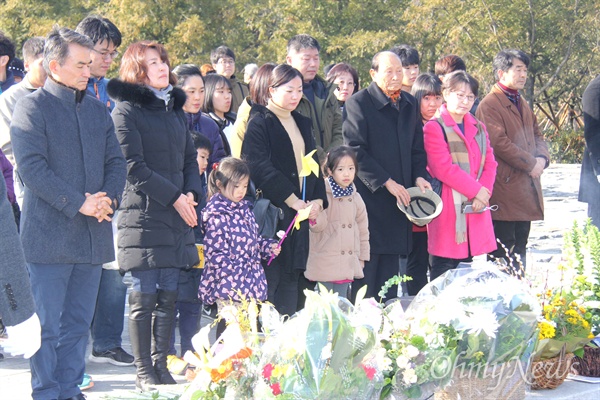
(339, 238)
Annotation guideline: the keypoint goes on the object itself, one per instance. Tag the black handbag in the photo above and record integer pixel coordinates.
(266, 214)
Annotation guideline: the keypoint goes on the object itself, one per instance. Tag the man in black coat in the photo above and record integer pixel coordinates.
(383, 125)
(589, 186)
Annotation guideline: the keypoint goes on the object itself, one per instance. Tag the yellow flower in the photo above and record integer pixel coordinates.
(547, 331)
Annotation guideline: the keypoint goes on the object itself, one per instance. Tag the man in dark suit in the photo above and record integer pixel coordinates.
(383, 125)
(74, 173)
(589, 186)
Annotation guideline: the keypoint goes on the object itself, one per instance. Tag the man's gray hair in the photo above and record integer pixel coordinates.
(301, 42)
(57, 45)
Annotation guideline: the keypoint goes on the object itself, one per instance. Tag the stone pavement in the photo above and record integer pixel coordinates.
(561, 184)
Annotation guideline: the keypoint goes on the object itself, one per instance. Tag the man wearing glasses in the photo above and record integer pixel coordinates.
(521, 153)
(107, 326)
(223, 61)
(107, 38)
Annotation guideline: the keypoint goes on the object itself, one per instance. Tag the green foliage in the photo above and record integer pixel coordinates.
(566, 145)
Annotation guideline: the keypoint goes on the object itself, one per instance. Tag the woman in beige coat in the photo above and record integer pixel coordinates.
(339, 238)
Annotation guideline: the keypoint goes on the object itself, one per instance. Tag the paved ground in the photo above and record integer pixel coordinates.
(561, 183)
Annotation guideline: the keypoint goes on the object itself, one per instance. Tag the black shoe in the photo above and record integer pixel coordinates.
(80, 396)
(209, 311)
(116, 356)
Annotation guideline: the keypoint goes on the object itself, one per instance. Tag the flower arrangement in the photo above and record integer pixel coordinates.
(484, 322)
(327, 350)
(564, 323)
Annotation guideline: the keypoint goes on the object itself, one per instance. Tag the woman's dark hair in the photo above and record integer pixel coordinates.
(228, 171)
(282, 74)
(334, 156)
(211, 83)
(133, 64)
(341, 68)
(453, 80)
(184, 71)
(448, 64)
(259, 85)
(426, 84)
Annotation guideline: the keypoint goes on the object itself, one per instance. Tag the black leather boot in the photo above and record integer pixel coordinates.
(163, 324)
(141, 306)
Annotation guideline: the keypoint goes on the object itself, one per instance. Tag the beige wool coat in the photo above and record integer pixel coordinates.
(339, 241)
(517, 141)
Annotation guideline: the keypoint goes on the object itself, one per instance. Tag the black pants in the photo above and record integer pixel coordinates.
(439, 265)
(418, 263)
(377, 271)
(282, 288)
(513, 235)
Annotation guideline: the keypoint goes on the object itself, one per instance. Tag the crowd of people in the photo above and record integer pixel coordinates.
(137, 173)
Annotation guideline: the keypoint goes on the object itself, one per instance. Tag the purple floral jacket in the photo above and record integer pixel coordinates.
(232, 250)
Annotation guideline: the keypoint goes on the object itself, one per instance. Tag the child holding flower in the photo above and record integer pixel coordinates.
(339, 240)
(233, 247)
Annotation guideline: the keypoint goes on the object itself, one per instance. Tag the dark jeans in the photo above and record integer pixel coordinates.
(417, 263)
(594, 213)
(189, 325)
(152, 280)
(439, 265)
(65, 297)
(513, 235)
(377, 271)
(107, 326)
(282, 289)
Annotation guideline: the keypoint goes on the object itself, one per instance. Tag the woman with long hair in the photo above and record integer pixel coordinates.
(156, 216)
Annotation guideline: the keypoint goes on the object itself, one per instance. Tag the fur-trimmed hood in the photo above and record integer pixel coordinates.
(142, 96)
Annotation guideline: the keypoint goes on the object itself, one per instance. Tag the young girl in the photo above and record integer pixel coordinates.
(339, 241)
(217, 106)
(232, 246)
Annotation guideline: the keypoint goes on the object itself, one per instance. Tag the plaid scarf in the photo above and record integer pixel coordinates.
(460, 157)
(513, 95)
(394, 97)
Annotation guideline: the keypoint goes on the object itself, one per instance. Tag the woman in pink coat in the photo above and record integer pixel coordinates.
(459, 155)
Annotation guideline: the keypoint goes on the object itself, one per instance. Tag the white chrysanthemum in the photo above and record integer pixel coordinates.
(479, 319)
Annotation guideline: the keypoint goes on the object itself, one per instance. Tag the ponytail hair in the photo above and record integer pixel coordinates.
(228, 171)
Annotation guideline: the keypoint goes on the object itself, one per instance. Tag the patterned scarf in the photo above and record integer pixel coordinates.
(394, 97)
(513, 95)
(339, 191)
(460, 157)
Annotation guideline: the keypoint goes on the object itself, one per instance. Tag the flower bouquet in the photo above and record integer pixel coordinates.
(487, 319)
(564, 329)
(414, 363)
(326, 351)
(230, 368)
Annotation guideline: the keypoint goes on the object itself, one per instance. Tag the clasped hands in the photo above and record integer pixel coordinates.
(186, 207)
(97, 205)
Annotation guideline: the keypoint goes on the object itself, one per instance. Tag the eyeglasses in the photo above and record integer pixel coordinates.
(105, 54)
(226, 61)
(462, 97)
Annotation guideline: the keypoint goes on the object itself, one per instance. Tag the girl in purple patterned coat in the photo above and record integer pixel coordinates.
(233, 247)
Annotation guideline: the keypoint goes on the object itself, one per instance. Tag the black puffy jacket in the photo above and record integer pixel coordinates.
(161, 165)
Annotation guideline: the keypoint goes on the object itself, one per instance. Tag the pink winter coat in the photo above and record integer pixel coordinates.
(339, 241)
(441, 231)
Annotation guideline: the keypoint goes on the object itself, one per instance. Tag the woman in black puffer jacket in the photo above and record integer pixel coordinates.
(156, 216)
